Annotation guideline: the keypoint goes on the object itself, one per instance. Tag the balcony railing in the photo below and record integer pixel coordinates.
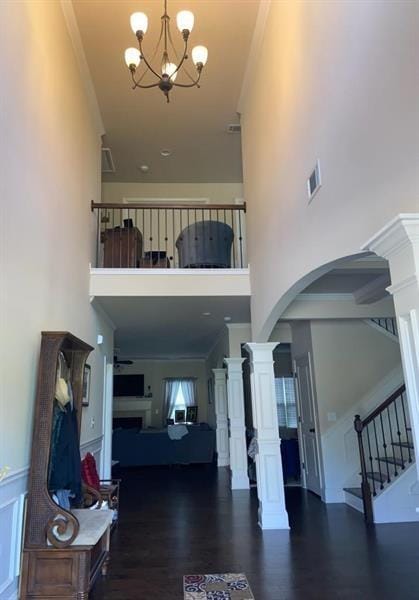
(151, 236)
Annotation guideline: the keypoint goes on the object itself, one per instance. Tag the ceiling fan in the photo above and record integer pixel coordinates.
(117, 362)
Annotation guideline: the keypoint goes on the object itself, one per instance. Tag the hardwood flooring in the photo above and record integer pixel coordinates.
(186, 520)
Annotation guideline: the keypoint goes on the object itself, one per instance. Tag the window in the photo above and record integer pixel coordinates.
(180, 403)
(285, 402)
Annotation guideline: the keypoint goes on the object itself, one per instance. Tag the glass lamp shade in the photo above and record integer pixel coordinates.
(185, 20)
(169, 69)
(199, 55)
(132, 57)
(139, 22)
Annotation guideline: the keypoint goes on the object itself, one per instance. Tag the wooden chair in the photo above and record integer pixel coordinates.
(96, 490)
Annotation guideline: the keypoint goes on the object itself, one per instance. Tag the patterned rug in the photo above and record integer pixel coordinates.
(224, 586)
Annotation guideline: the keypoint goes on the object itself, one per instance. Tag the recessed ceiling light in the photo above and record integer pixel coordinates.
(165, 152)
(227, 319)
(206, 314)
(144, 168)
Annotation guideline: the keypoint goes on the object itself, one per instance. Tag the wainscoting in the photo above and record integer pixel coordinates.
(12, 503)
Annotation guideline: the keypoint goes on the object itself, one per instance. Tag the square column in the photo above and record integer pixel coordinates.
(235, 403)
(398, 242)
(270, 480)
(220, 399)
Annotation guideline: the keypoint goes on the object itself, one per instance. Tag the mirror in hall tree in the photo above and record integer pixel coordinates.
(86, 386)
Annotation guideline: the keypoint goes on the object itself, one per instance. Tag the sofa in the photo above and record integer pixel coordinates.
(145, 447)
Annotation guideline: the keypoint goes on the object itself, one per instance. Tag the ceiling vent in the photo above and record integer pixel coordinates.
(234, 128)
(108, 165)
(314, 182)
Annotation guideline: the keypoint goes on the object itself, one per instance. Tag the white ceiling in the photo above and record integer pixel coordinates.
(139, 123)
(173, 326)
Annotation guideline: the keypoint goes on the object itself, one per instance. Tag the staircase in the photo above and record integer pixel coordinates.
(386, 451)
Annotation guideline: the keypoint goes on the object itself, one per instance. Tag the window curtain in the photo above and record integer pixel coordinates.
(171, 390)
(189, 391)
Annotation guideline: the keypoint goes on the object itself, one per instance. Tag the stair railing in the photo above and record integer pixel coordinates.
(383, 441)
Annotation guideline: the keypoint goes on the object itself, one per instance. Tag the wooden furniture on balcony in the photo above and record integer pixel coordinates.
(64, 550)
(122, 247)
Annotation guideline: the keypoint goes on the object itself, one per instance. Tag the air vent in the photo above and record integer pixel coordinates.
(234, 128)
(108, 165)
(314, 181)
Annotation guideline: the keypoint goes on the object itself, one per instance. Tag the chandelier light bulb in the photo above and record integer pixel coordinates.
(132, 57)
(199, 55)
(185, 20)
(139, 22)
(169, 69)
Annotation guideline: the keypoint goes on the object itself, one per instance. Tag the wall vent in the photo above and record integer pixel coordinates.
(234, 128)
(108, 165)
(314, 182)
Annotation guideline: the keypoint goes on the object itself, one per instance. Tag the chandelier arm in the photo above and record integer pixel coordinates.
(176, 54)
(189, 85)
(137, 83)
(146, 61)
(185, 50)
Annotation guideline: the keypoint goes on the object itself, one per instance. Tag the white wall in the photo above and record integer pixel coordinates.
(50, 156)
(215, 360)
(218, 193)
(155, 371)
(343, 89)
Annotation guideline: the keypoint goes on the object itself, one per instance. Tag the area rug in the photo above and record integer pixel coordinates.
(223, 586)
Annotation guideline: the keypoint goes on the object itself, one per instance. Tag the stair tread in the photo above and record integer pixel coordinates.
(403, 445)
(354, 491)
(377, 476)
(393, 461)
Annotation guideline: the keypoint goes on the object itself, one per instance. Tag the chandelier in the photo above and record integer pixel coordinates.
(169, 68)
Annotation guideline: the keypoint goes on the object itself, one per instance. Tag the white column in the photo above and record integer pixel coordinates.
(270, 481)
(398, 242)
(220, 399)
(235, 402)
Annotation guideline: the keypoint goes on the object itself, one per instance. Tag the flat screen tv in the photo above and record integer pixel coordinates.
(128, 385)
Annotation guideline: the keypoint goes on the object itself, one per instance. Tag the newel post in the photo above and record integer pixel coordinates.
(365, 486)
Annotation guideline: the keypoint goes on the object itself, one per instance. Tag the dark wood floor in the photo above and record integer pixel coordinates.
(185, 520)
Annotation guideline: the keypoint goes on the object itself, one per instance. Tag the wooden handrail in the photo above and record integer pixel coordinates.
(180, 206)
(383, 406)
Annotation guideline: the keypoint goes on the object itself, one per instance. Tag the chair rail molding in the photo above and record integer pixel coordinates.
(270, 480)
(220, 399)
(398, 242)
(235, 403)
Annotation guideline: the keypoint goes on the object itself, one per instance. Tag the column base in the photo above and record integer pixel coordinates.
(276, 520)
(239, 482)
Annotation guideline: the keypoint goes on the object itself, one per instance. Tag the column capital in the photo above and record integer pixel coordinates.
(219, 372)
(261, 351)
(234, 364)
(392, 238)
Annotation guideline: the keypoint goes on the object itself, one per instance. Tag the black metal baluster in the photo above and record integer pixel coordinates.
(203, 234)
(385, 447)
(165, 235)
(188, 236)
(234, 238)
(405, 426)
(240, 239)
(175, 263)
(392, 441)
(113, 238)
(120, 237)
(158, 234)
(98, 236)
(181, 228)
(150, 210)
(378, 455)
(399, 435)
(143, 233)
(371, 460)
(128, 235)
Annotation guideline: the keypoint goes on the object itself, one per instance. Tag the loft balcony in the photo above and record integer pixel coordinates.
(170, 249)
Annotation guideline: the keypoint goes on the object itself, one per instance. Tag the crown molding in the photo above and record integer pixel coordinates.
(255, 49)
(74, 32)
(395, 235)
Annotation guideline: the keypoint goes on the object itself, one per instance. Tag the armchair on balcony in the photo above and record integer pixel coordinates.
(205, 244)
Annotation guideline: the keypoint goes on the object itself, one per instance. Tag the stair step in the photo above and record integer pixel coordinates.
(392, 461)
(354, 491)
(380, 477)
(403, 445)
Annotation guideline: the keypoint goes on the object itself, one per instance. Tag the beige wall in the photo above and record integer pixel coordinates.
(344, 90)
(216, 192)
(155, 371)
(50, 155)
(215, 360)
